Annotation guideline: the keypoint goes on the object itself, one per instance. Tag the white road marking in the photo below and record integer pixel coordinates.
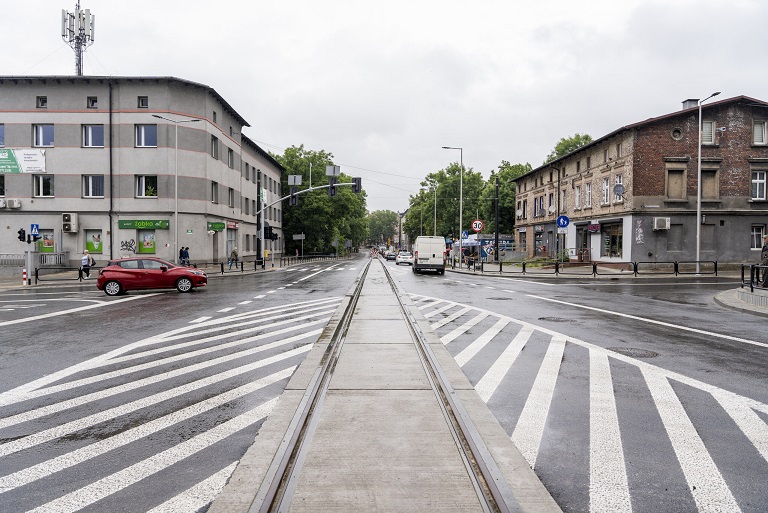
(73, 310)
(245, 302)
(70, 459)
(438, 311)
(450, 337)
(530, 426)
(116, 482)
(709, 489)
(748, 421)
(271, 291)
(225, 310)
(280, 288)
(199, 319)
(480, 342)
(260, 296)
(608, 484)
(450, 318)
(493, 376)
(198, 496)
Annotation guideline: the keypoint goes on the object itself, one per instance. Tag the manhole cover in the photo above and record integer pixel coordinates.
(634, 352)
(555, 319)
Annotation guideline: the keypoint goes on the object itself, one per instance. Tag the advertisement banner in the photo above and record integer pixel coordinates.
(142, 224)
(22, 161)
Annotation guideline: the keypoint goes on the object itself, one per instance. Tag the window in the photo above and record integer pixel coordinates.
(542, 212)
(708, 132)
(230, 158)
(253, 204)
(525, 209)
(246, 204)
(91, 102)
(605, 155)
(214, 116)
(93, 136)
(535, 208)
(42, 186)
(577, 193)
(589, 162)
(214, 192)
(214, 147)
(2, 136)
(2, 185)
(231, 197)
(758, 185)
(143, 102)
(587, 195)
(710, 189)
(41, 102)
(231, 132)
(562, 202)
(606, 191)
(247, 172)
(612, 240)
(43, 135)
(619, 150)
(146, 136)
(618, 180)
(757, 237)
(676, 184)
(93, 186)
(551, 202)
(146, 186)
(578, 166)
(758, 132)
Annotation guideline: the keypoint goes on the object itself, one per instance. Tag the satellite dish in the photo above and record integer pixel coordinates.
(618, 189)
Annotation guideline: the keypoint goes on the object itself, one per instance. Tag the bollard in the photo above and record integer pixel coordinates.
(23, 276)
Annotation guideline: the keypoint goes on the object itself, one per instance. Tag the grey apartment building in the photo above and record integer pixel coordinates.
(126, 165)
(653, 215)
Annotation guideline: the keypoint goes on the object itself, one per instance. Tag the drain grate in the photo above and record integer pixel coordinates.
(634, 352)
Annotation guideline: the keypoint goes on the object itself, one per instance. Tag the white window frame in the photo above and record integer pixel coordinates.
(618, 180)
(214, 192)
(38, 186)
(587, 195)
(231, 158)
(758, 184)
(91, 102)
(708, 132)
(141, 132)
(577, 193)
(143, 102)
(141, 186)
(88, 136)
(619, 150)
(41, 102)
(757, 232)
(90, 183)
(39, 132)
(759, 133)
(231, 197)
(606, 190)
(562, 201)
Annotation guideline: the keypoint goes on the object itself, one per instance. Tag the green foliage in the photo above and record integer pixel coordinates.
(568, 145)
(381, 225)
(506, 175)
(320, 218)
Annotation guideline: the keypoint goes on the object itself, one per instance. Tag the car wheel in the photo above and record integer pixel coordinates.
(113, 288)
(183, 284)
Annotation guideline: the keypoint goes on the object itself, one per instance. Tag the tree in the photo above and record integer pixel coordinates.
(320, 218)
(568, 145)
(506, 174)
(381, 225)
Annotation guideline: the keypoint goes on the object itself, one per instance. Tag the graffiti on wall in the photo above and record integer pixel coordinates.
(639, 232)
(128, 245)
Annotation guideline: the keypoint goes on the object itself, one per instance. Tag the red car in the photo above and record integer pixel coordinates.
(137, 273)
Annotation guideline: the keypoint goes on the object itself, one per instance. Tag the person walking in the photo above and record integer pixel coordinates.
(233, 258)
(185, 256)
(764, 260)
(181, 255)
(87, 262)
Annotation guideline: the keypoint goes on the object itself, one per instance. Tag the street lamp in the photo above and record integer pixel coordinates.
(461, 197)
(435, 225)
(176, 181)
(698, 187)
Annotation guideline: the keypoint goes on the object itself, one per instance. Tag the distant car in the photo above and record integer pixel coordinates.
(404, 257)
(137, 273)
(390, 255)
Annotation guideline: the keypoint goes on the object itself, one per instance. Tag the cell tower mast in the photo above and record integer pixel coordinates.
(77, 32)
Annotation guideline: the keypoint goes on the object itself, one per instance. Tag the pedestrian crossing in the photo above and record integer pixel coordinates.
(184, 404)
(533, 378)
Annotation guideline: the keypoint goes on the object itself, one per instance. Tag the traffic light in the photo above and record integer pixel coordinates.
(332, 186)
(22, 234)
(357, 184)
(268, 232)
(294, 197)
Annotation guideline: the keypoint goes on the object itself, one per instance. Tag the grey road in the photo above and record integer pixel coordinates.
(644, 397)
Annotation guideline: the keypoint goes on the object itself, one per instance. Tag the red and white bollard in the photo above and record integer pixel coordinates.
(24, 277)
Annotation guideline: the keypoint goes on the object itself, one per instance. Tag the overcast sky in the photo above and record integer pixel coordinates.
(384, 85)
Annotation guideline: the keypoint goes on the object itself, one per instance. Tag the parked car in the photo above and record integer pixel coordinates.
(390, 255)
(429, 254)
(404, 257)
(137, 273)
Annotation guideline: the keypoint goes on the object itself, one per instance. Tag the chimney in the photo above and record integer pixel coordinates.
(690, 103)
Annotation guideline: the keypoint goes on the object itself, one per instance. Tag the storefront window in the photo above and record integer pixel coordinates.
(146, 241)
(612, 236)
(93, 241)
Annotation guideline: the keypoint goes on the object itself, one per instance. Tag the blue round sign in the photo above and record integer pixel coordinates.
(563, 221)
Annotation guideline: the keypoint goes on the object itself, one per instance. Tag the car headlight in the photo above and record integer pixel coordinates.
(198, 273)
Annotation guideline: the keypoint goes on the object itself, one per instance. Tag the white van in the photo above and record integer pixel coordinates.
(429, 254)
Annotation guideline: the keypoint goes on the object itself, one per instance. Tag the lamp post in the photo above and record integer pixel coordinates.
(698, 187)
(461, 197)
(176, 180)
(434, 233)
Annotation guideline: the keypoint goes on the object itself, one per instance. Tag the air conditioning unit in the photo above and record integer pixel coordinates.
(661, 223)
(13, 203)
(3, 204)
(69, 223)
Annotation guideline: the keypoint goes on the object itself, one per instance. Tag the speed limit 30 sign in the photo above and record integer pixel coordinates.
(477, 225)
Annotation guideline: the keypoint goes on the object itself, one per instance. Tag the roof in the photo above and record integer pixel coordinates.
(258, 149)
(646, 122)
(91, 78)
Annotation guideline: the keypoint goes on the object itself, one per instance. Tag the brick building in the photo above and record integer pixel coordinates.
(631, 195)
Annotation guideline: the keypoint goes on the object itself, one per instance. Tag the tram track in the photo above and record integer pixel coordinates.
(277, 489)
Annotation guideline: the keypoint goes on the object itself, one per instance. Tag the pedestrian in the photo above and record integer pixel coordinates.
(87, 262)
(185, 256)
(233, 258)
(181, 255)
(764, 260)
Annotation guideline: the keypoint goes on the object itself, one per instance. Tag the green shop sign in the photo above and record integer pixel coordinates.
(143, 225)
(216, 227)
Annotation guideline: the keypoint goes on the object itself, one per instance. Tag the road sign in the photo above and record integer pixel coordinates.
(464, 234)
(298, 236)
(563, 221)
(477, 225)
(562, 230)
(34, 229)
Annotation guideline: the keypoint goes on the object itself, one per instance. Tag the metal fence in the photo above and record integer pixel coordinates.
(593, 269)
(756, 275)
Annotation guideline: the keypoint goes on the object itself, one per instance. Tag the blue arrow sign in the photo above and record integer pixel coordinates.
(34, 229)
(563, 221)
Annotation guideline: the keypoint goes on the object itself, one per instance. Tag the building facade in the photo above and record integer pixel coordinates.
(126, 165)
(632, 195)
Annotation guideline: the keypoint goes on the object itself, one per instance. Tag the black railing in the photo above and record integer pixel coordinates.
(754, 275)
(593, 268)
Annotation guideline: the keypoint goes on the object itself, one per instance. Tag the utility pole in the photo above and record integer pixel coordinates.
(496, 240)
(77, 30)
